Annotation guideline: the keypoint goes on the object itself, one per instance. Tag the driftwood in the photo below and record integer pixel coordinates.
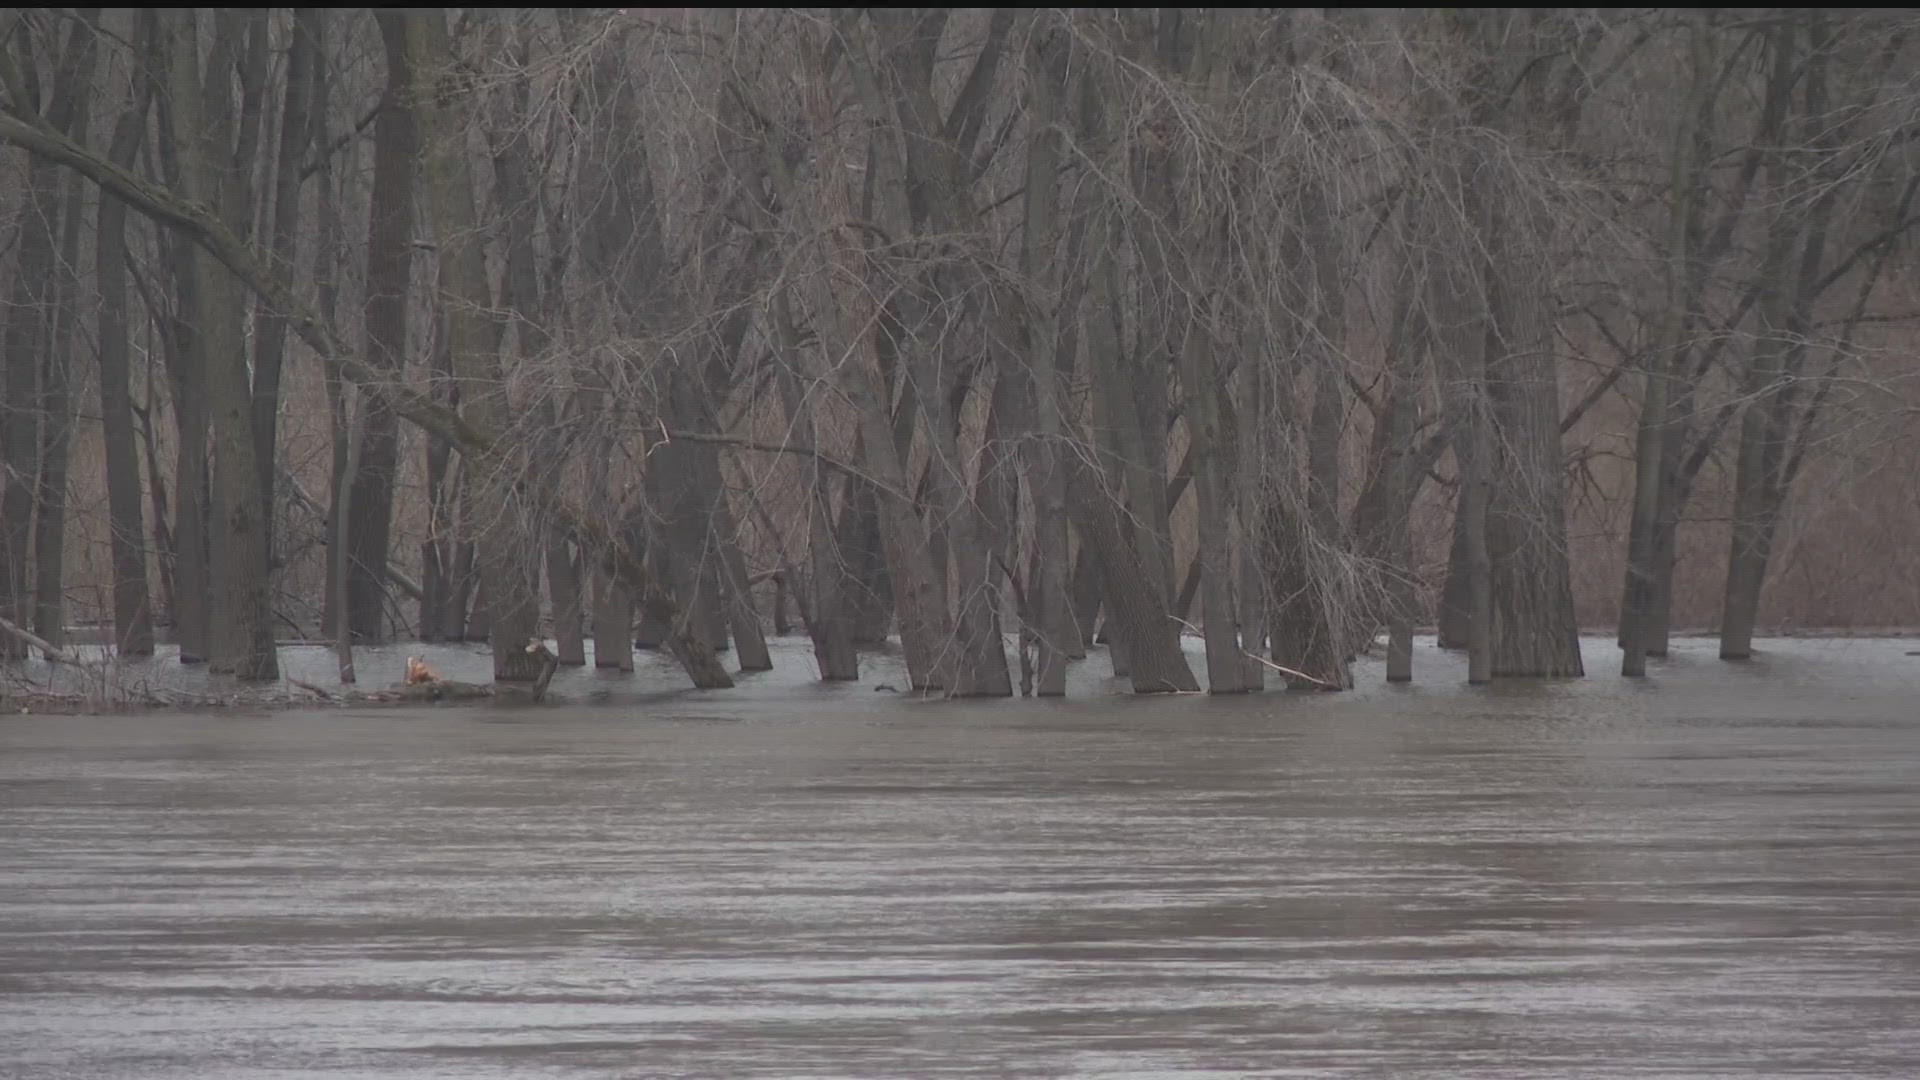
(53, 653)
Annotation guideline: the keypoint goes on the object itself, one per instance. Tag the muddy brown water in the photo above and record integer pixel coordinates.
(1715, 873)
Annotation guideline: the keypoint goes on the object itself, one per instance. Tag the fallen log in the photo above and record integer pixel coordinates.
(54, 653)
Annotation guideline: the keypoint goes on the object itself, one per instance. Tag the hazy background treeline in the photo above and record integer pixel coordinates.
(986, 331)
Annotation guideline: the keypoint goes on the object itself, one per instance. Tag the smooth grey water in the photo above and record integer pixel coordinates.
(1715, 873)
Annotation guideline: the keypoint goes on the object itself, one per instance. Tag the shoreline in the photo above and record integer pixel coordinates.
(102, 694)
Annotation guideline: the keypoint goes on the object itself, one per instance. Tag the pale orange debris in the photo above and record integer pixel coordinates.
(418, 672)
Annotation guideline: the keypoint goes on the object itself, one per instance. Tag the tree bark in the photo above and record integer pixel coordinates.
(397, 152)
(563, 587)
(28, 333)
(71, 112)
(1642, 606)
(300, 105)
(132, 607)
(240, 618)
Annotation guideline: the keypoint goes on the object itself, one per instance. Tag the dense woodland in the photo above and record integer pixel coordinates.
(990, 336)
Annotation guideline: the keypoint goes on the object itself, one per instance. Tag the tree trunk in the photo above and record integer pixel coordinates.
(831, 617)
(28, 327)
(132, 608)
(1454, 616)
(240, 635)
(563, 587)
(390, 228)
(1535, 633)
(1214, 560)
(304, 100)
(71, 112)
(1763, 473)
(612, 623)
(743, 619)
(1135, 602)
(1642, 605)
(342, 629)
(1458, 319)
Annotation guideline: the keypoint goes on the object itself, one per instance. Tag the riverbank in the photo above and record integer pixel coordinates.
(100, 685)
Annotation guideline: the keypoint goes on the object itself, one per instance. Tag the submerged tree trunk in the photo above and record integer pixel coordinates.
(1535, 633)
(563, 586)
(1200, 378)
(1648, 559)
(612, 623)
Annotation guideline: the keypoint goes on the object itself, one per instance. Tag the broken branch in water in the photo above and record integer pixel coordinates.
(309, 688)
(1261, 659)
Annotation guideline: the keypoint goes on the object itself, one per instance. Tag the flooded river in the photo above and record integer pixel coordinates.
(1715, 873)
